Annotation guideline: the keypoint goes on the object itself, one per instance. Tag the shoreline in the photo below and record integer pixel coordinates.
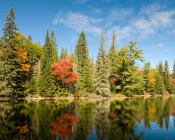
(115, 97)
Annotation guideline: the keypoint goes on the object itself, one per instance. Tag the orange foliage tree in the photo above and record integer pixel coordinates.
(22, 60)
(63, 71)
(62, 126)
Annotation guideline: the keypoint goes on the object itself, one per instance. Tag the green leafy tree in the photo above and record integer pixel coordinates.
(83, 68)
(102, 70)
(129, 80)
(33, 52)
(8, 57)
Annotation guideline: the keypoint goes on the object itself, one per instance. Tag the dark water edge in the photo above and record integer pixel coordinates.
(105, 119)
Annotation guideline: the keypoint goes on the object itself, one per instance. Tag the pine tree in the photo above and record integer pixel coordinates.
(83, 68)
(166, 75)
(160, 68)
(160, 82)
(111, 58)
(8, 58)
(173, 73)
(63, 53)
(54, 47)
(159, 85)
(146, 71)
(102, 70)
(112, 53)
(129, 80)
(47, 83)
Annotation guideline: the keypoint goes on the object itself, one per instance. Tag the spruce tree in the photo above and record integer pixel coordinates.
(166, 76)
(63, 53)
(146, 71)
(102, 70)
(112, 53)
(8, 58)
(111, 61)
(47, 83)
(54, 47)
(82, 62)
(160, 82)
(160, 68)
(173, 72)
(159, 86)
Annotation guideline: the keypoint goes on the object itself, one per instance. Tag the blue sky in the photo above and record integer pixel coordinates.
(150, 22)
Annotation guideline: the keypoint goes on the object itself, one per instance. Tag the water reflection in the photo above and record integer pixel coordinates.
(135, 118)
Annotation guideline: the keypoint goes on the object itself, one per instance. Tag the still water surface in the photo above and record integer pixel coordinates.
(133, 119)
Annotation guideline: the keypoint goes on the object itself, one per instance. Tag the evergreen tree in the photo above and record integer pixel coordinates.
(63, 53)
(166, 75)
(111, 58)
(173, 73)
(102, 70)
(83, 68)
(160, 82)
(159, 86)
(8, 57)
(112, 53)
(146, 71)
(47, 83)
(160, 68)
(129, 79)
(54, 47)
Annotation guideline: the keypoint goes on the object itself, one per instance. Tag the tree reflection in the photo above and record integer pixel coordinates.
(81, 119)
(101, 119)
(62, 126)
(85, 114)
(122, 119)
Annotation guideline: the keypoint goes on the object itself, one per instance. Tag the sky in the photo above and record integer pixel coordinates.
(150, 22)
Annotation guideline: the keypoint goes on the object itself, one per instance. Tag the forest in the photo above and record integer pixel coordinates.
(30, 69)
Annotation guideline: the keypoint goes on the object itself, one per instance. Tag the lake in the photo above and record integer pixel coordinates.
(130, 118)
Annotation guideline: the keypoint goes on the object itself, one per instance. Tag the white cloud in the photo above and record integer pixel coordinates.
(150, 9)
(164, 18)
(119, 15)
(146, 25)
(161, 46)
(57, 18)
(125, 22)
(96, 11)
(172, 32)
(78, 22)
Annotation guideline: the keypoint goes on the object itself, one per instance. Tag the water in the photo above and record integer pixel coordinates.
(130, 119)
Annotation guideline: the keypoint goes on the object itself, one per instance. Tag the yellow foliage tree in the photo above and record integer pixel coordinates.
(151, 79)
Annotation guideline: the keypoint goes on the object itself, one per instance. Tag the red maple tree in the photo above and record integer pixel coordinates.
(63, 71)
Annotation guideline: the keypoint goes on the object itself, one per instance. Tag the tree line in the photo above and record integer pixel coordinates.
(28, 68)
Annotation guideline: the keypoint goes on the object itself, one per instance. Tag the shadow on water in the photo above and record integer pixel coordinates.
(131, 118)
